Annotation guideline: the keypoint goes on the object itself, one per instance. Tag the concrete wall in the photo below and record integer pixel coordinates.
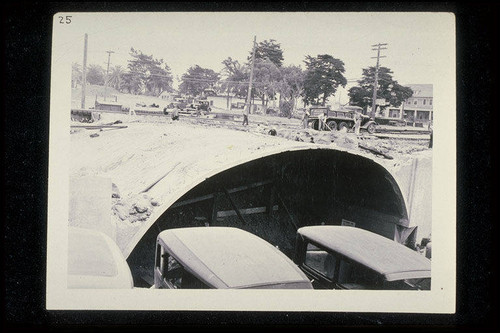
(90, 205)
(415, 182)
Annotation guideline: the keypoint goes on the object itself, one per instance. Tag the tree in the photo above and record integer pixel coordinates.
(95, 75)
(291, 87)
(388, 89)
(323, 76)
(115, 78)
(76, 75)
(237, 77)
(131, 83)
(267, 77)
(148, 74)
(197, 79)
(268, 50)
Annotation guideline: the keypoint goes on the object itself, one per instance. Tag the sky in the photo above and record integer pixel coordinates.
(415, 41)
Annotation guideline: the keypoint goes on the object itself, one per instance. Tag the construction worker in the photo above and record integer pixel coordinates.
(175, 114)
(245, 118)
(305, 118)
(357, 122)
(321, 121)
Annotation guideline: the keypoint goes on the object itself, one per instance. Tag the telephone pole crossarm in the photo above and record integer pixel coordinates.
(375, 82)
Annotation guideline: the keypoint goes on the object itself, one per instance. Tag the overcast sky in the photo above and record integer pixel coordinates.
(418, 43)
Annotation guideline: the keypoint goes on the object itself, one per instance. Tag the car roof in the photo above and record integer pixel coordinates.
(227, 257)
(383, 255)
(95, 261)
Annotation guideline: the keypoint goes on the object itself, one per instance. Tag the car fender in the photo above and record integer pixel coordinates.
(368, 123)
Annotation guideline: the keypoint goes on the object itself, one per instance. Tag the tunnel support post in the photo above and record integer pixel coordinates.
(233, 204)
(213, 218)
(292, 218)
(270, 205)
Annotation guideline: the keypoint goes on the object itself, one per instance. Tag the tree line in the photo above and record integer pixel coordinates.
(322, 76)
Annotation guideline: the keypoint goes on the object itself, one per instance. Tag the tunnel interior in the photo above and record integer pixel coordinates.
(273, 196)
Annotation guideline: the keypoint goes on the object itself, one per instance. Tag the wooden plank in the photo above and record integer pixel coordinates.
(236, 209)
(158, 180)
(213, 218)
(211, 196)
(292, 218)
(246, 211)
(270, 205)
(375, 151)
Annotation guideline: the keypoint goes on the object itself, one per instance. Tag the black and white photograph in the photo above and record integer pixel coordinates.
(252, 161)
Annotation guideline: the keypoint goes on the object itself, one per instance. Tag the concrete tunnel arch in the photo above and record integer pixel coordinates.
(274, 193)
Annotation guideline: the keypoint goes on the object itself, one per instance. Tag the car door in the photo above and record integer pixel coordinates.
(320, 266)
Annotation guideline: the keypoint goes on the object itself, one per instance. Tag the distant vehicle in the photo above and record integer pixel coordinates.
(238, 105)
(222, 258)
(390, 121)
(95, 261)
(272, 111)
(345, 257)
(203, 106)
(338, 119)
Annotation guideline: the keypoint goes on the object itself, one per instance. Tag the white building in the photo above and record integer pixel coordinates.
(416, 110)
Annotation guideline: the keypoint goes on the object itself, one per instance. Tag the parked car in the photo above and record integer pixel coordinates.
(221, 258)
(345, 257)
(95, 261)
(203, 106)
(336, 120)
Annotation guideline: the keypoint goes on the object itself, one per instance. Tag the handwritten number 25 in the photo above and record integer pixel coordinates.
(65, 19)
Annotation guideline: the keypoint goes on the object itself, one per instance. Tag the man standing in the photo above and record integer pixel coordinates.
(321, 120)
(175, 114)
(357, 122)
(245, 118)
(305, 118)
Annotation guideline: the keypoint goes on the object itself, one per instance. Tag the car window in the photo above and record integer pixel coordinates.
(173, 274)
(356, 276)
(321, 261)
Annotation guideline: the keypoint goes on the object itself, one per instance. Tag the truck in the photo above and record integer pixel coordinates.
(337, 120)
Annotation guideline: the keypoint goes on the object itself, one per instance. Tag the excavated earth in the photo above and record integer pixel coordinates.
(136, 152)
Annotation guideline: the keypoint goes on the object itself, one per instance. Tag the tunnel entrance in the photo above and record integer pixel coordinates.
(274, 195)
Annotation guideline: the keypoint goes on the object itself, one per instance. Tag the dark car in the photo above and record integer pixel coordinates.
(222, 258)
(344, 257)
(337, 120)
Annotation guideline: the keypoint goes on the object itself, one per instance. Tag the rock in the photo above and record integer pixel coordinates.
(142, 205)
(115, 193)
(121, 211)
(94, 135)
(346, 141)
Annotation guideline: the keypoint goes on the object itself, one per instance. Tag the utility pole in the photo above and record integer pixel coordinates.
(375, 83)
(107, 73)
(84, 71)
(250, 83)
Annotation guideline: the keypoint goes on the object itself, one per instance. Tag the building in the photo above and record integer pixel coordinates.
(416, 110)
